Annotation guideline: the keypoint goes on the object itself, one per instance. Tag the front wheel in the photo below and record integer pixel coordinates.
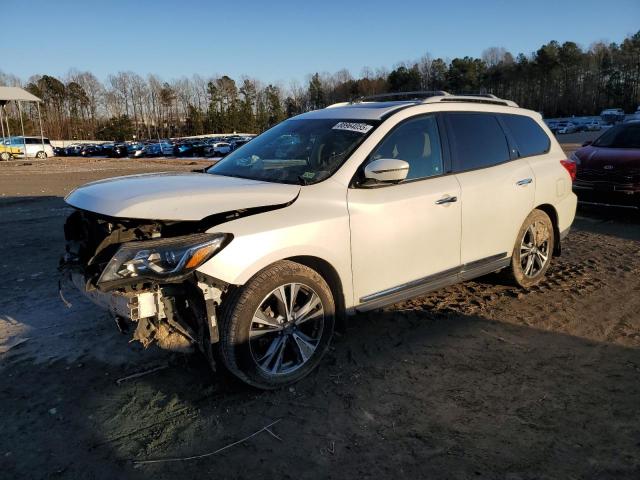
(5, 156)
(533, 250)
(41, 155)
(276, 328)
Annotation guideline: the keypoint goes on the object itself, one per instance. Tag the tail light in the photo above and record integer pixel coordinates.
(571, 167)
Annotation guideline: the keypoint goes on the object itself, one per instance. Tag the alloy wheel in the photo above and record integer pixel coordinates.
(286, 329)
(535, 249)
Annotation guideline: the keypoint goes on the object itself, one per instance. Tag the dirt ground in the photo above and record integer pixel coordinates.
(479, 380)
(58, 176)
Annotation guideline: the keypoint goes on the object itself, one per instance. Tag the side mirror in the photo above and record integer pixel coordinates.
(387, 170)
(587, 143)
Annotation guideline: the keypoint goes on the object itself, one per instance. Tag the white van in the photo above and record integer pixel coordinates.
(36, 146)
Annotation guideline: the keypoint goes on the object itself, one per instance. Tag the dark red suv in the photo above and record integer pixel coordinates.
(608, 170)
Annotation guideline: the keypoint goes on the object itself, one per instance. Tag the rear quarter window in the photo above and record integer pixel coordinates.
(529, 137)
(477, 140)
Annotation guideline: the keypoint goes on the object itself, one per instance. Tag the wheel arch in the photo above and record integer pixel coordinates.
(329, 274)
(553, 215)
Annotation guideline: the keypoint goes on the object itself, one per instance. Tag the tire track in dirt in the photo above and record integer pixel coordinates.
(555, 304)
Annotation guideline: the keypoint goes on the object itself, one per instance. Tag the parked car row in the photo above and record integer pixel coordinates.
(608, 118)
(573, 126)
(201, 147)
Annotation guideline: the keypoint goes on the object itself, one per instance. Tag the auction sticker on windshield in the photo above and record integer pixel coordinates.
(353, 127)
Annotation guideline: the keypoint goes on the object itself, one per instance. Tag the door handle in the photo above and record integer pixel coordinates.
(524, 182)
(447, 199)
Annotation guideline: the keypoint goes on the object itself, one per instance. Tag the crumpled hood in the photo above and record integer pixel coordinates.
(177, 196)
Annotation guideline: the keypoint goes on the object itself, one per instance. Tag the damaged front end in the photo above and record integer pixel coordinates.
(144, 273)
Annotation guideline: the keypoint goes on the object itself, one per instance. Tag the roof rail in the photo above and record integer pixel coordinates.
(485, 98)
(415, 95)
(481, 95)
(339, 104)
(432, 97)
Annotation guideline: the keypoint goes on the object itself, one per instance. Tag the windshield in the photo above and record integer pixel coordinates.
(296, 151)
(620, 136)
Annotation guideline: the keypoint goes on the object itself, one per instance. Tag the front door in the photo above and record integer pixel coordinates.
(404, 233)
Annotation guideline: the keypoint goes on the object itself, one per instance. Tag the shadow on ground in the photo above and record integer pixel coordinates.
(403, 395)
(616, 221)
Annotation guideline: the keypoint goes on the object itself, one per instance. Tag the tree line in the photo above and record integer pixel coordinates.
(557, 80)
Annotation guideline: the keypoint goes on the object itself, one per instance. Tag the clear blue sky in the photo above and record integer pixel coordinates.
(282, 40)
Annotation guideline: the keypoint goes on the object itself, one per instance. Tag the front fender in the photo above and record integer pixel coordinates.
(316, 225)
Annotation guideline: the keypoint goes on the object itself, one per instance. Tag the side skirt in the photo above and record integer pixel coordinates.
(433, 282)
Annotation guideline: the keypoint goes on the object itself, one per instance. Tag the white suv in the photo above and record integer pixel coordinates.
(332, 212)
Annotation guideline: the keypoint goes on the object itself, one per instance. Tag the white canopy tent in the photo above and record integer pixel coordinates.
(18, 95)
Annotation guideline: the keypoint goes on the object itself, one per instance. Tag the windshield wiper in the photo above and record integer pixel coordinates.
(302, 180)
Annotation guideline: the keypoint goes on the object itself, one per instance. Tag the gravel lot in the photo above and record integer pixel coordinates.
(478, 380)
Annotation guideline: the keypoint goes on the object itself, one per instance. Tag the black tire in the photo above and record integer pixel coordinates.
(538, 227)
(234, 349)
(5, 156)
(41, 155)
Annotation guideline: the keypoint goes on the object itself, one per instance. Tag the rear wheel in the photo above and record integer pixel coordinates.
(4, 156)
(533, 250)
(275, 329)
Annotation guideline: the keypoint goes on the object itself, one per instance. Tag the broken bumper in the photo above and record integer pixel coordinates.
(128, 305)
(158, 315)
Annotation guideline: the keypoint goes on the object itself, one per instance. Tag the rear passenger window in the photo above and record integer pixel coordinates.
(529, 137)
(477, 141)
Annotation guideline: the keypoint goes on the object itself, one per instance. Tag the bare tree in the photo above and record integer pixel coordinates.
(494, 56)
(557, 79)
(424, 67)
(94, 91)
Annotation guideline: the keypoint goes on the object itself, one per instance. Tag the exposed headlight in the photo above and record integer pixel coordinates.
(163, 259)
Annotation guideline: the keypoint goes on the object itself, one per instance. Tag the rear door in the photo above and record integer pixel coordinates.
(497, 187)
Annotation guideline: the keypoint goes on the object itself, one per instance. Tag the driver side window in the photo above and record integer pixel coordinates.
(417, 142)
